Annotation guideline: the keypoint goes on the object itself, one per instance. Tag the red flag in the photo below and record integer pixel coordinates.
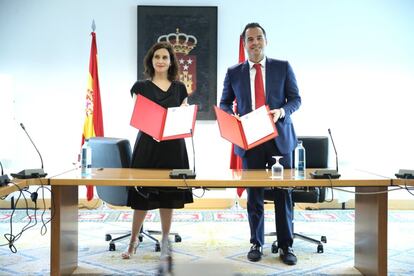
(235, 160)
(93, 125)
(242, 58)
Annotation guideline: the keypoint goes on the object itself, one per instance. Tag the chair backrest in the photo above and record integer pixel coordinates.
(111, 153)
(317, 148)
(316, 151)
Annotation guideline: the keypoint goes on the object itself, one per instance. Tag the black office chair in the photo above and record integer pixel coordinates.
(316, 157)
(116, 153)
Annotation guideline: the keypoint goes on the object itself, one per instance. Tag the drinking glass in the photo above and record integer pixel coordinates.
(277, 168)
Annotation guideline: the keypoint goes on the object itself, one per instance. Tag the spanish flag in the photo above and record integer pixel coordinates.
(235, 160)
(93, 125)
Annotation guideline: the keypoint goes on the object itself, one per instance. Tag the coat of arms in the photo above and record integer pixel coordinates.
(183, 44)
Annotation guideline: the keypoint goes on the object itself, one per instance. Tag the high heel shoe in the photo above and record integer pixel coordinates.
(166, 262)
(165, 248)
(130, 250)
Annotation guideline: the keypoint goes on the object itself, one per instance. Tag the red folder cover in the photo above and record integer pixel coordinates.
(231, 129)
(150, 117)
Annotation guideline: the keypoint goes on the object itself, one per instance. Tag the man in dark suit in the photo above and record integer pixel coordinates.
(245, 82)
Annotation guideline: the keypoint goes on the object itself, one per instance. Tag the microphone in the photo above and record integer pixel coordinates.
(333, 144)
(326, 173)
(407, 174)
(30, 173)
(4, 178)
(192, 144)
(185, 173)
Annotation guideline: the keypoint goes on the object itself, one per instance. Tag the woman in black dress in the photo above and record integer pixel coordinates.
(162, 87)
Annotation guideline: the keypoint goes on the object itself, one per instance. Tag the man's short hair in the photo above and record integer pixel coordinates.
(252, 25)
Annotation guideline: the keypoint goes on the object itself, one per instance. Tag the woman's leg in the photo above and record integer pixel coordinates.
(137, 221)
(166, 219)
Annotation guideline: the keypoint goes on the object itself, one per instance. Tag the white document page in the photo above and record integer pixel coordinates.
(256, 125)
(179, 120)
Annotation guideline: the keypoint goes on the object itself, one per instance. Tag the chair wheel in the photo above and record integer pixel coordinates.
(177, 238)
(323, 239)
(140, 238)
(108, 237)
(274, 248)
(112, 246)
(320, 248)
(157, 247)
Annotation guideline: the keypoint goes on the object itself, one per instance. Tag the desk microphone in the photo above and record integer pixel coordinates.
(30, 173)
(326, 173)
(407, 174)
(185, 173)
(4, 178)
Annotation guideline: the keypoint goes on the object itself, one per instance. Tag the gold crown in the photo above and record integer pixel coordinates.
(181, 42)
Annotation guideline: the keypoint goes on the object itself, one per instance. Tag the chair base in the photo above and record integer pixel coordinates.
(149, 234)
(143, 233)
(108, 237)
(319, 248)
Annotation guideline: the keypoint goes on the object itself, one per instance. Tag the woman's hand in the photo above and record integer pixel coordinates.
(185, 102)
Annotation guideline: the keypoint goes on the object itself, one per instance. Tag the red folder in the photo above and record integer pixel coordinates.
(150, 117)
(231, 129)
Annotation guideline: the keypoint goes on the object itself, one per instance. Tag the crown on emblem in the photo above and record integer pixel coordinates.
(181, 42)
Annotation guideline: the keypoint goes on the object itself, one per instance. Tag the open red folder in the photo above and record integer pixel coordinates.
(253, 129)
(163, 123)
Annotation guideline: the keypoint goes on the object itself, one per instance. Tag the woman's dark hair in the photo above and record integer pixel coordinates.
(252, 25)
(149, 68)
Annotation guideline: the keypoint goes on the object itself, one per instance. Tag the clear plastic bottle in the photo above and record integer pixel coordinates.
(300, 160)
(86, 159)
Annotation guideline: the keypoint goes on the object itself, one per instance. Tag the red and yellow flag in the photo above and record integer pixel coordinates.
(235, 160)
(93, 125)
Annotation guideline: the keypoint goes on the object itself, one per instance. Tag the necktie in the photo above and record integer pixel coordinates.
(258, 87)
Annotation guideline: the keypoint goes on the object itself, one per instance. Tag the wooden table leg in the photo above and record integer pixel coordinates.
(371, 216)
(64, 234)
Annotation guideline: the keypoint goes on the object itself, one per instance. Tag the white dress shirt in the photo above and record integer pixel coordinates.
(252, 78)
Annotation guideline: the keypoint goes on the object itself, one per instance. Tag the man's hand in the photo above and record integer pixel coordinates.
(276, 113)
(237, 116)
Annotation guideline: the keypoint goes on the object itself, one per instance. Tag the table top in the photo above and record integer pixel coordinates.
(403, 182)
(390, 173)
(17, 184)
(222, 178)
(225, 178)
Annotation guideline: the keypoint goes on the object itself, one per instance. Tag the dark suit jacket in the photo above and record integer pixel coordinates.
(281, 91)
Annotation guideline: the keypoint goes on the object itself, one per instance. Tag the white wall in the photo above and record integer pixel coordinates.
(353, 61)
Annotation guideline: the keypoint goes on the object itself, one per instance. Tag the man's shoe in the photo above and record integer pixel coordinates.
(255, 253)
(287, 256)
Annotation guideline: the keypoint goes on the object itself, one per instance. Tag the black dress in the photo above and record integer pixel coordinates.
(170, 154)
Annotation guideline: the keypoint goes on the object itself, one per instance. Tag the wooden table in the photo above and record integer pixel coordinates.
(370, 209)
(403, 182)
(11, 188)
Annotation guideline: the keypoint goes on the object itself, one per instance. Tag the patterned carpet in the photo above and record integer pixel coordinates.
(214, 242)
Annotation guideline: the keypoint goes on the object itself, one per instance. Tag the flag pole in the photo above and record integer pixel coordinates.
(93, 125)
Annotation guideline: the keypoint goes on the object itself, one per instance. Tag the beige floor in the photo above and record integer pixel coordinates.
(228, 203)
